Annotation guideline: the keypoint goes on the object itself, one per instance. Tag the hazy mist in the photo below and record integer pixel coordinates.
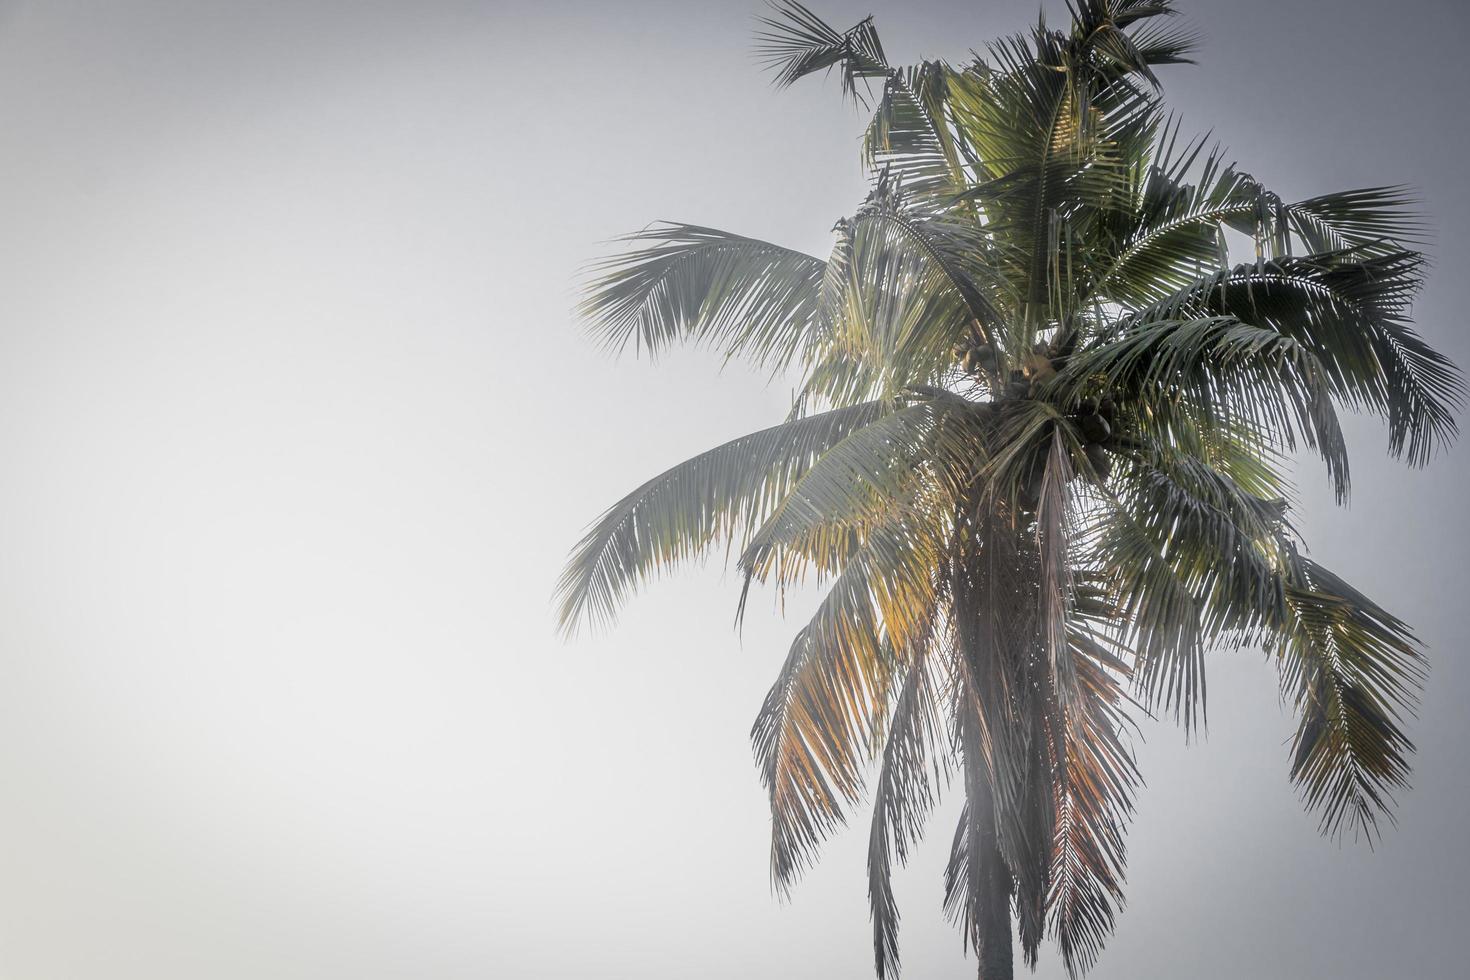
(297, 428)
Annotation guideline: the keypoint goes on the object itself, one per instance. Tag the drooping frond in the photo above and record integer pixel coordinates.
(1350, 310)
(816, 723)
(1161, 615)
(900, 291)
(1229, 373)
(910, 136)
(885, 473)
(905, 791)
(953, 255)
(1222, 542)
(739, 295)
(1354, 672)
(1098, 780)
(678, 514)
(1055, 533)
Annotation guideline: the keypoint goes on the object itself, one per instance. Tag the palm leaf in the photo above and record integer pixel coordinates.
(1230, 374)
(811, 732)
(680, 513)
(1353, 671)
(1349, 309)
(796, 43)
(689, 283)
(904, 794)
(1099, 778)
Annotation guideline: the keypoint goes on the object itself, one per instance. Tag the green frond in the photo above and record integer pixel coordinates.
(1165, 44)
(953, 252)
(1367, 220)
(1161, 617)
(1172, 232)
(1055, 533)
(1223, 541)
(680, 513)
(910, 136)
(1354, 672)
(1350, 310)
(1227, 372)
(885, 473)
(742, 296)
(796, 43)
(903, 292)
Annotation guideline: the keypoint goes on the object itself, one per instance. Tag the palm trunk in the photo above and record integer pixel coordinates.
(993, 930)
(982, 602)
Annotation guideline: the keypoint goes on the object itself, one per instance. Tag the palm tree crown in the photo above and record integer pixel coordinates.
(1037, 458)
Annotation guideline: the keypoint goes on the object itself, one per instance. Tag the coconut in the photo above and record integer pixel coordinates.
(1099, 460)
(1095, 428)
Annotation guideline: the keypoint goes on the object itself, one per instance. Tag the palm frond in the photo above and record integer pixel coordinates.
(796, 42)
(680, 513)
(1055, 532)
(954, 250)
(812, 731)
(1350, 310)
(890, 311)
(1161, 616)
(1099, 778)
(1368, 220)
(904, 794)
(910, 136)
(1354, 672)
(1229, 373)
(1172, 232)
(871, 477)
(1222, 542)
(689, 283)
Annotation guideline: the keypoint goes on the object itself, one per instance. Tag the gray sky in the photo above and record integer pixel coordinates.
(297, 430)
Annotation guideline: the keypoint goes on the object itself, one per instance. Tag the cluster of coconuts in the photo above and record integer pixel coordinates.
(1095, 421)
(978, 359)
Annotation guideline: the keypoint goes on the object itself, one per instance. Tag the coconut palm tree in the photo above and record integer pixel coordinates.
(1037, 458)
